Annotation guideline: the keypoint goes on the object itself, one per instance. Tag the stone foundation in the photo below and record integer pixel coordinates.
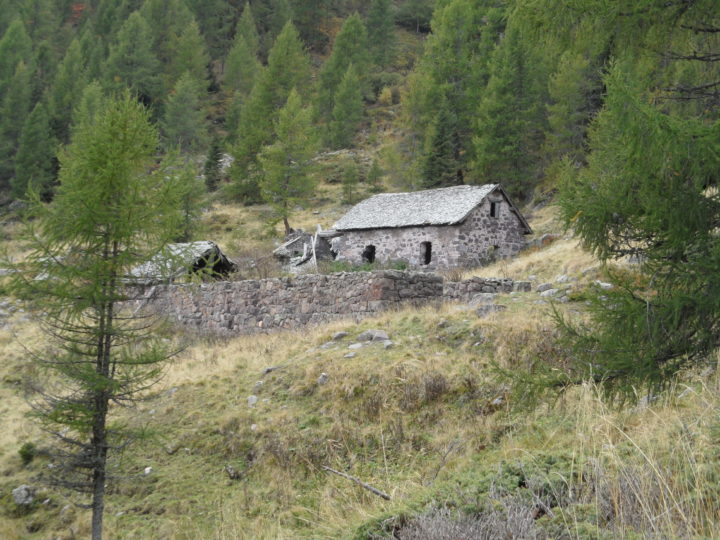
(246, 307)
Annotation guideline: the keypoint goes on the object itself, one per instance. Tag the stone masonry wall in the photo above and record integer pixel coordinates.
(246, 307)
(477, 240)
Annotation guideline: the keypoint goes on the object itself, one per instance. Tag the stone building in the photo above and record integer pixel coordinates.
(439, 228)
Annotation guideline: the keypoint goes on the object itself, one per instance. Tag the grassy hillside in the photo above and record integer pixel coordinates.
(430, 421)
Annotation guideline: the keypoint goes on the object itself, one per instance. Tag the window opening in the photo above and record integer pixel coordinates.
(368, 254)
(426, 252)
(494, 209)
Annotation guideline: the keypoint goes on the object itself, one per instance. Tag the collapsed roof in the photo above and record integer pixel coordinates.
(178, 260)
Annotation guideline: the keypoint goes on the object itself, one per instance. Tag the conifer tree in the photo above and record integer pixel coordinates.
(211, 170)
(350, 47)
(348, 110)
(247, 30)
(108, 216)
(649, 191)
(15, 47)
(241, 67)
(510, 121)
(189, 55)
(184, 125)
(15, 108)
(285, 163)
(374, 176)
(288, 67)
(216, 19)
(381, 36)
(92, 100)
(68, 85)
(453, 70)
(34, 163)
(132, 63)
(350, 180)
(441, 164)
(310, 16)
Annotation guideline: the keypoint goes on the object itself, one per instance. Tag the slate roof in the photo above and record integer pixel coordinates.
(444, 206)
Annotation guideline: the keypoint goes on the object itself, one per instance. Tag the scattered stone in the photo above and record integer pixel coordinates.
(172, 391)
(562, 278)
(563, 299)
(387, 344)
(355, 346)
(232, 472)
(590, 270)
(522, 286)
(482, 299)
(484, 311)
(252, 401)
(119, 514)
(350, 355)
(443, 323)
(147, 470)
(23, 495)
(604, 286)
(532, 277)
(322, 379)
(67, 514)
(271, 369)
(258, 385)
(549, 292)
(373, 335)
(337, 336)
(498, 401)
(253, 427)
(543, 287)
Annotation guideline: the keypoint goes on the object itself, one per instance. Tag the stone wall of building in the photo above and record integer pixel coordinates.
(246, 307)
(479, 239)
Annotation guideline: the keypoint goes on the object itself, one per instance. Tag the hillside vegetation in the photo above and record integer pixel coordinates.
(595, 417)
(432, 421)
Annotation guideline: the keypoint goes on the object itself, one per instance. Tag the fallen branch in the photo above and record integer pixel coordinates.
(359, 483)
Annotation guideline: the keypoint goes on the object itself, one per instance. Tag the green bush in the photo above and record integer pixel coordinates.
(27, 452)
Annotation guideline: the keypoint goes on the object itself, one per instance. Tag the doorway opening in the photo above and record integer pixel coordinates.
(426, 252)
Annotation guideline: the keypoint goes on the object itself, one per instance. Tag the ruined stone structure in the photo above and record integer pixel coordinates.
(459, 226)
(245, 307)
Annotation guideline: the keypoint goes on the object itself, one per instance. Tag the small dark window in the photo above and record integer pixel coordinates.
(426, 252)
(494, 209)
(368, 254)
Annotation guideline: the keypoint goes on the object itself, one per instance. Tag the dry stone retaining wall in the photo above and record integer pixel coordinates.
(244, 307)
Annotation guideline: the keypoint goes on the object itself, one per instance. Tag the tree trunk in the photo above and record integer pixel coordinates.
(288, 229)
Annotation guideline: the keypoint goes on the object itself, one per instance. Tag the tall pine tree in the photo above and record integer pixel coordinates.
(35, 160)
(285, 163)
(348, 110)
(350, 47)
(381, 36)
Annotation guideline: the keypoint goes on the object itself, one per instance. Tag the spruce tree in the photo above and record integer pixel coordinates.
(453, 70)
(92, 100)
(108, 216)
(68, 85)
(247, 30)
(288, 67)
(285, 163)
(184, 125)
(350, 47)
(34, 163)
(350, 180)
(15, 108)
(310, 17)
(241, 67)
(189, 55)
(381, 36)
(348, 110)
(212, 168)
(510, 121)
(442, 164)
(132, 63)
(15, 47)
